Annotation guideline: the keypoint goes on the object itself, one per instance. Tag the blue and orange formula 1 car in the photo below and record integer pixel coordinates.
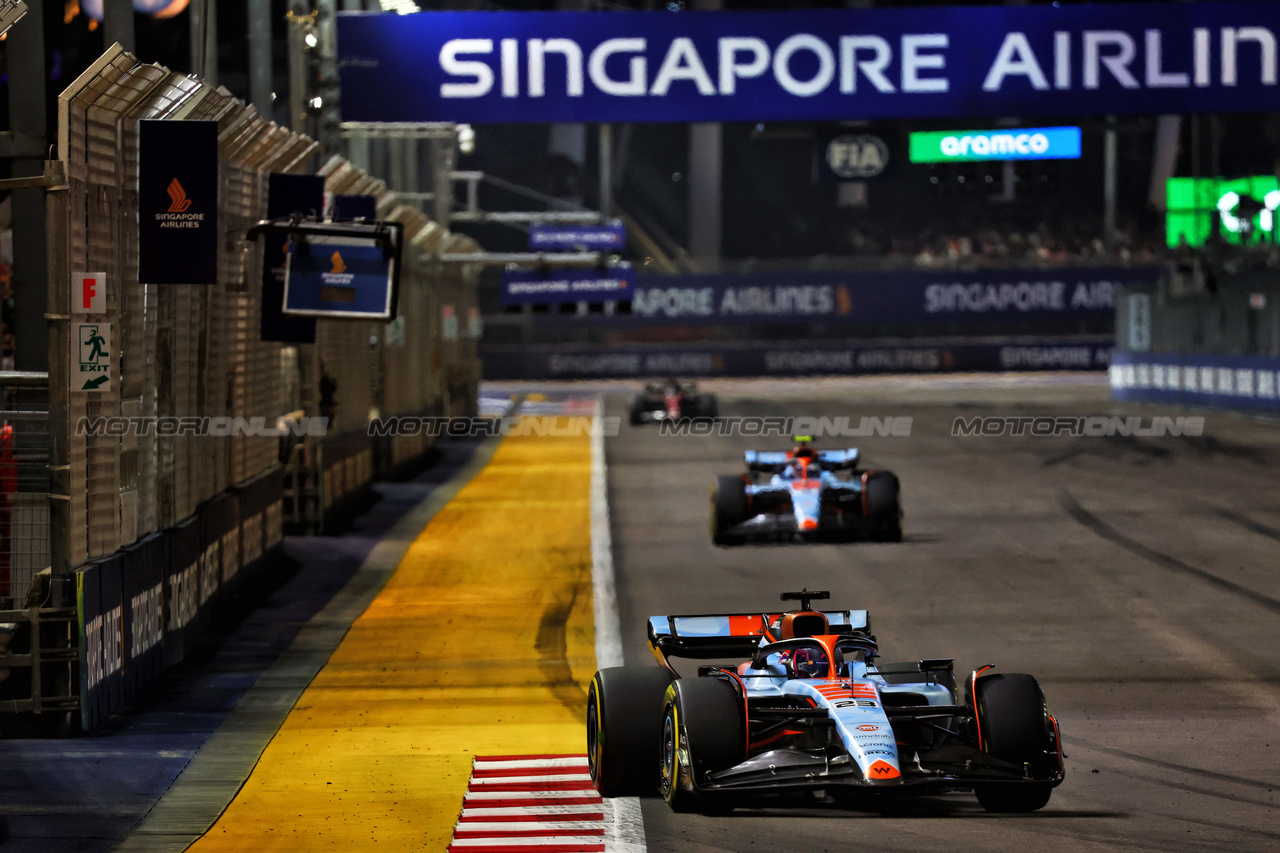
(813, 712)
(804, 497)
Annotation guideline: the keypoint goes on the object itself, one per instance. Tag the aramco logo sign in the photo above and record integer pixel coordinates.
(1032, 143)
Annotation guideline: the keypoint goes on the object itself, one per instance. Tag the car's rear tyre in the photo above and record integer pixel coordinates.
(882, 504)
(728, 509)
(890, 532)
(1014, 726)
(702, 724)
(636, 415)
(624, 728)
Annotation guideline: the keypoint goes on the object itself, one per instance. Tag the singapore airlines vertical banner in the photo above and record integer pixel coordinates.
(810, 64)
(178, 202)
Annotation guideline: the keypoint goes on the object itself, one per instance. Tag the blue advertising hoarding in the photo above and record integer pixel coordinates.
(530, 286)
(1236, 382)
(810, 64)
(795, 358)
(608, 237)
(848, 297)
(339, 277)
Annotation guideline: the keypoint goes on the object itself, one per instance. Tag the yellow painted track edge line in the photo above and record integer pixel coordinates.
(181, 815)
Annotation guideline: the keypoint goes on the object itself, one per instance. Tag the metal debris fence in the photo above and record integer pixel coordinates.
(195, 350)
(118, 548)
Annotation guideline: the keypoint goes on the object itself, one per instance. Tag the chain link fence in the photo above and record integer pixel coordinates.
(24, 484)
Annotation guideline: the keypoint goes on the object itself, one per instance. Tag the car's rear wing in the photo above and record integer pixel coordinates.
(731, 635)
(837, 459)
(776, 460)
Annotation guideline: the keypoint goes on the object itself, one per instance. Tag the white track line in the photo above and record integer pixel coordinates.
(530, 812)
(554, 794)
(583, 826)
(622, 812)
(523, 777)
(604, 587)
(504, 763)
(560, 842)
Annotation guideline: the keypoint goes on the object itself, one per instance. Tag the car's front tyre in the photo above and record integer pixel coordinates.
(1014, 726)
(624, 727)
(702, 732)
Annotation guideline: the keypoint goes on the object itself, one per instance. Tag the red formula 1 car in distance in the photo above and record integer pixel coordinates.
(810, 708)
(672, 400)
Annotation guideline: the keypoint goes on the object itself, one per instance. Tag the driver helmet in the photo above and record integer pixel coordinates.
(802, 450)
(809, 663)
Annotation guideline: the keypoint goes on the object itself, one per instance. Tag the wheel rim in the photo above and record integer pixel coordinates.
(668, 753)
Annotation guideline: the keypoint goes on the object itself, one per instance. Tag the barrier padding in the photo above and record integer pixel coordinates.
(98, 606)
(795, 358)
(1245, 383)
(347, 476)
(182, 591)
(144, 608)
(220, 550)
(144, 581)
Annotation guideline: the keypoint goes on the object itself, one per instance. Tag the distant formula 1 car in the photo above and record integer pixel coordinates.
(671, 401)
(805, 498)
(813, 710)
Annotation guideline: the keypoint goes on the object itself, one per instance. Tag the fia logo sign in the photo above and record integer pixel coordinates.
(857, 157)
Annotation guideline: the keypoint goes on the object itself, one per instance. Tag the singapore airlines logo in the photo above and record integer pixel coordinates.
(339, 275)
(179, 197)
(176, 216)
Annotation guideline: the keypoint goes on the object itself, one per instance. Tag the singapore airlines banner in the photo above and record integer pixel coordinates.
(825, 64)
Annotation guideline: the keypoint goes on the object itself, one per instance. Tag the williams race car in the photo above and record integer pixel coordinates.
(804, 497)
(813, 713)
(671, 401)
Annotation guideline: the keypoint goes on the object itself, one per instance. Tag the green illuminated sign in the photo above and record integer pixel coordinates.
(1016, 143)
(1240, 210)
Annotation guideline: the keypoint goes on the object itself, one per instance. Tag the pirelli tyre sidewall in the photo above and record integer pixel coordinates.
(1014, 725)
(702, 732)
(624, 724)
(882, 495)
